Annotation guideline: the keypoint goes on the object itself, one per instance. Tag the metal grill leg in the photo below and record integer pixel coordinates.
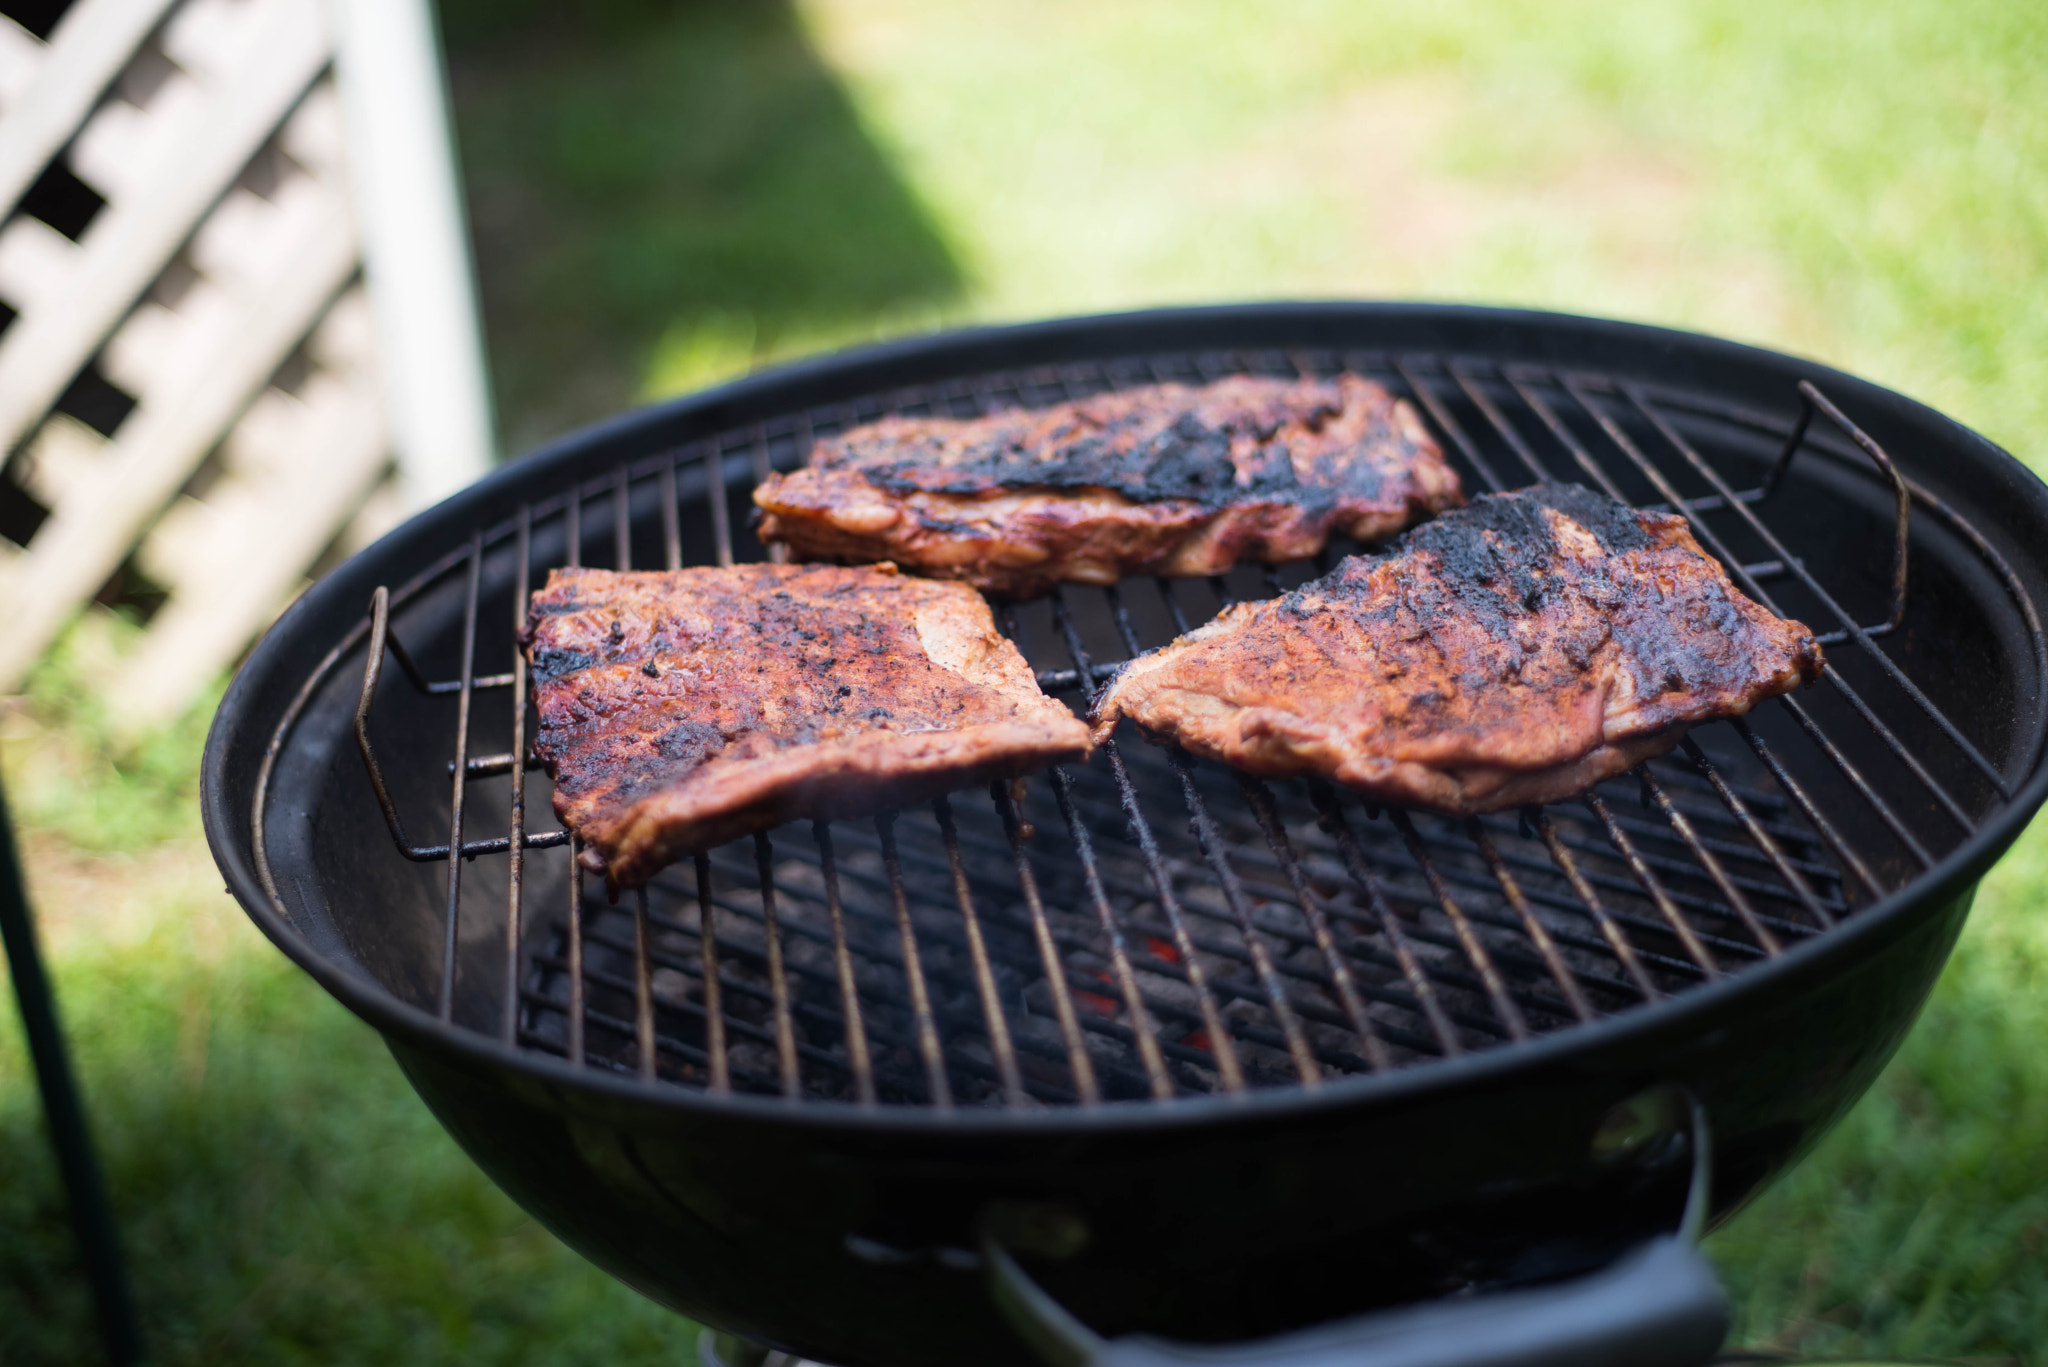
(92, 1217)
(716, 1349)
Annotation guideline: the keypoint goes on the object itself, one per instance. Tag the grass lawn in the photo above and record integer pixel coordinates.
(666, 194)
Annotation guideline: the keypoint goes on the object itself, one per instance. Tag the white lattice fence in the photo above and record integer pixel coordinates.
(220, 288)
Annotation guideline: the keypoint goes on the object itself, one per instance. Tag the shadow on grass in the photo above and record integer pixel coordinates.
(662, 192)
(283, 1196)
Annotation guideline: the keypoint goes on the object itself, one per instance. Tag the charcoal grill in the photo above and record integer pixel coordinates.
(1212, 1057)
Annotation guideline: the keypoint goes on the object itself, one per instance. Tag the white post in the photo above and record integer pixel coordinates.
(415, 244)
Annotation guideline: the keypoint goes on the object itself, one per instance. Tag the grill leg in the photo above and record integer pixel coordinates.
(91, 1216)
(716, 1348)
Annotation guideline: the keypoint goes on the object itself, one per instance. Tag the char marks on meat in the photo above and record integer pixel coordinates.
(679, 710)
(1163, 479)
(1519, 650)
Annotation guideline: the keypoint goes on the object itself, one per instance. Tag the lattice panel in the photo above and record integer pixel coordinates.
(188, 385)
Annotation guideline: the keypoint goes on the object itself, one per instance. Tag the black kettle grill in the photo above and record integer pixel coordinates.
(1146, 1061)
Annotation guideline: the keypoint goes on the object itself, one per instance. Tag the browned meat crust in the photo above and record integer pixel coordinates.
(1519, 650)
(680, 710)
(1162, 479)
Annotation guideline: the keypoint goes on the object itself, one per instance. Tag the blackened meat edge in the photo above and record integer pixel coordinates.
(682, 709)
(1518, 650)
(1161, 479)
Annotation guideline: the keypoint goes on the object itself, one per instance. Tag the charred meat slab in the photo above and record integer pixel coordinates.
(1164, 479)
(1519, 650)
(681, 709)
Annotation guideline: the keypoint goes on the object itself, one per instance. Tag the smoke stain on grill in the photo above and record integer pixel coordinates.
(661, 193)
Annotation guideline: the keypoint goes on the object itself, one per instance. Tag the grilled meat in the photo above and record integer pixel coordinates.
(1157, 480)
(680, 710)
(1519, 650)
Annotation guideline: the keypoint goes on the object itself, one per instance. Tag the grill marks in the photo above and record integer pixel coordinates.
(1160, 479)
(682, 709)
(1542, 556)
(1508, 997)
(1442, 963)
(1517, 651)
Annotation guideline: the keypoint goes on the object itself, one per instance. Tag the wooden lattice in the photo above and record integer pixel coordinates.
(219, 288)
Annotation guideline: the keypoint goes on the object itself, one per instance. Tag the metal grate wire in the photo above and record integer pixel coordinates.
(1149, 925)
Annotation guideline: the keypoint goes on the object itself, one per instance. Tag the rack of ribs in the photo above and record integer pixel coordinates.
(1516, 651)
(679, 710)
(1163, 479)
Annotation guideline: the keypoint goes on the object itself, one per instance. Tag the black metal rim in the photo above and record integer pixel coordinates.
(229, 829)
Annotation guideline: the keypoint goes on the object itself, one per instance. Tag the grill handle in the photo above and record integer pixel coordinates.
(1658, 1305)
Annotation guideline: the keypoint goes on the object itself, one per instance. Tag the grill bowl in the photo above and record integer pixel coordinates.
(844, 1232)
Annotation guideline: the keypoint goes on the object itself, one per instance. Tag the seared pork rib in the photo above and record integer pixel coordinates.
(1519, 650)
(1162, 479)
(681, 709)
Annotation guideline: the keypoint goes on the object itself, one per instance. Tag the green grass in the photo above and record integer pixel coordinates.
(284, 1196)
(666, 194)
(1920, 1227)
(75, 777)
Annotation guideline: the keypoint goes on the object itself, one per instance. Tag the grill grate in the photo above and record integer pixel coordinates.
(1150, 925)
